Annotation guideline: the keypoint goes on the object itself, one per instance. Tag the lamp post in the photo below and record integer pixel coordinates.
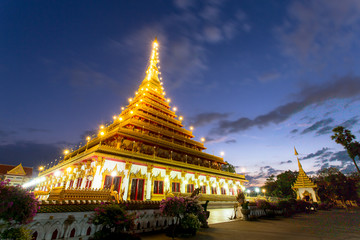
(264, 191)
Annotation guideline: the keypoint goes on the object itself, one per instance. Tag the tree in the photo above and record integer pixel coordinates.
(334, 185)
(282, 186)
(344, 137)
(228, 167)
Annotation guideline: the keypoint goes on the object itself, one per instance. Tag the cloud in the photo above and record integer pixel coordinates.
(206, 118)
(258, 178)
(266, 77)
(314, 29)
(28, 153)
(294, 131)
(350, 123)
(230, 141)
(285, 162)
(194, 26)
(341, 88)
(317, 125)
(324, 130)
(183, 4)
(316, 154)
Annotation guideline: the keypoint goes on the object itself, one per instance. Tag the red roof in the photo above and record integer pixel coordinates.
(4, 168)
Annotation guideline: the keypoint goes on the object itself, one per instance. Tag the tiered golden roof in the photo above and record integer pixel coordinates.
(302, 181)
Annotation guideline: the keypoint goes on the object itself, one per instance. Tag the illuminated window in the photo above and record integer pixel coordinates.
(137, 189)
(189, 188)
(175, 187)
(88, 183)
(78, 184)
(158, 187)
(110, 180)
(203, 189)
(231, 191)
(223, 191)
(213, 190)
(71, 183)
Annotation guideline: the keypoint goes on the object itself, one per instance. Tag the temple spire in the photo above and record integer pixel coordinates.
(152, 73)
(299, 164)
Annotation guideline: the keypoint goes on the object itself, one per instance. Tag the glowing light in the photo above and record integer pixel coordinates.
(214, 185)
(122, 108)
(57, 173)
(101, 126)
(41, 168)
(264, 190)
(131, 112)
(113, 174)
(248, 191)
(136, 104)
(191, 128)
(257, 190)
(102, 133)
(222, 154)
(174, 109)
(120, 118)
(130, 99)
(66, 151)
(180, 118)
(88, 138)
(114, 117)
(243, 188)
(69, 169)
(201, 184)
(168, 100)
(202, 139)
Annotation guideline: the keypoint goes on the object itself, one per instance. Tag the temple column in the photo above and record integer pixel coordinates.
(167, 187)
(97, 182)
(149, 182)
(126, 182)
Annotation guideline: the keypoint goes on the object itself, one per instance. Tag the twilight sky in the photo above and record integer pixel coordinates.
(256, 78)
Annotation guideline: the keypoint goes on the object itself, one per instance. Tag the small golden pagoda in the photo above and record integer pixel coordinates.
(144, 154)
(303, 186)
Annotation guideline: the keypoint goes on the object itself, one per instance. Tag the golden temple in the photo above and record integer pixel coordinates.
(303, 185)
(144, 154)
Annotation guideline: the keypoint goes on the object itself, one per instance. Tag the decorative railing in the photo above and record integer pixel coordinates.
(60, 193)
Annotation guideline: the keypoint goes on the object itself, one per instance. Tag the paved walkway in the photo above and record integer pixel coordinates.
(335, 224)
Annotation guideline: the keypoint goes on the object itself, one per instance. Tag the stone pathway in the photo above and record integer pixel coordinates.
(335, 224)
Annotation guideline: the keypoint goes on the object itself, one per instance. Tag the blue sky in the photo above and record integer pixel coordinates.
(256, 78)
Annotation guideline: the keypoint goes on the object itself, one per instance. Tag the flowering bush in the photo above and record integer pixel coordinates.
(173, 207)
(262, 204)
(113, 217)
(189, 214)
(17, 206)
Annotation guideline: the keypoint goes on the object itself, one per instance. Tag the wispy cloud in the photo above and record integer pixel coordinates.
(315, 29)
(285, 162)
(317, 125)
(316, 154)
(341, 88)
(206, 118)
(193, 26)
